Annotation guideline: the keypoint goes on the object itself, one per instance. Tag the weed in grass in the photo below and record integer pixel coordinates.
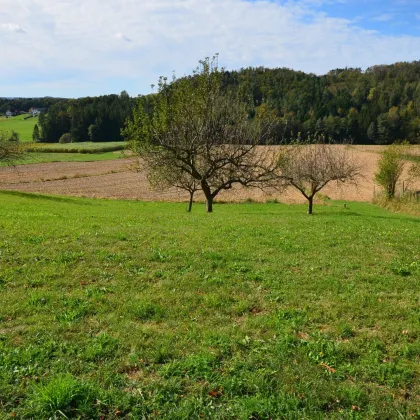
(74, 310)
(404, 268)
(345, 331)
(38, 299)
(101, 347)
(146, 311)
(63, 396)
(97, 292)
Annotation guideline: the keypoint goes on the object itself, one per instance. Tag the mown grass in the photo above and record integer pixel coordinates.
(29, 158)
(114, 309)
(84, 147)
(24, 127)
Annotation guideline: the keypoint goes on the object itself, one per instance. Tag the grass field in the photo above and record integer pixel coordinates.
(24, 127)
(67, 157)
(74, 152)
(84, 147)
(112, 309)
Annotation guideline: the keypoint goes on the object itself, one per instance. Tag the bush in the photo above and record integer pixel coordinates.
(390, 169)
(65, 138)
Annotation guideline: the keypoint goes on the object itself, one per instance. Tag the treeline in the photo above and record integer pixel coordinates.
(378, 106)
(16, 105)
(98, 119)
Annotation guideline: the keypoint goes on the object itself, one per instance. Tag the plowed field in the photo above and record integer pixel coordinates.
(116, 179)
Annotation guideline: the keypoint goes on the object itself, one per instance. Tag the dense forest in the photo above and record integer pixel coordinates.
(87, 119)
(380, 105)
(17, 105)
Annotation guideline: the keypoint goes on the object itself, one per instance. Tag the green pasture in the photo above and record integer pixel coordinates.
(24, 127)
(30, 158)
(84, 147)
(74, 152)
(113, 309)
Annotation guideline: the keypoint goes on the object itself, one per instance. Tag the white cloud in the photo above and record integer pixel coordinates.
(99, 46)
(13, 27)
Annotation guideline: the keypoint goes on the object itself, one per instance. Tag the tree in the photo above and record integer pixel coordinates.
(310, 167)
(193, 128)
(164, 177)
(372, 133)
(390, 169)
(35, 134)
(9, 148)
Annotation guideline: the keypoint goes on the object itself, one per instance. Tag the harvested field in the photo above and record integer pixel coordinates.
(116, 179)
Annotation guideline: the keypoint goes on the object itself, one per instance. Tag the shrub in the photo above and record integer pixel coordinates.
(65, 138)
(390, 168)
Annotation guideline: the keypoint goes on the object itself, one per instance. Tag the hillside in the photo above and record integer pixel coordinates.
(377, 106)
(21, 125)
(380, 105)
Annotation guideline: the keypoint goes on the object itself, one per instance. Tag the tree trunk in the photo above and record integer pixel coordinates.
(310, 205)
(209, 205)
(209, 197)
(191, 201)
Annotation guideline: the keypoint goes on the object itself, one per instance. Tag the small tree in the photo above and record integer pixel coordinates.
(35, 134)
(164, 177)
(193, 130)
(14, 136)
(310, 167)
(390, 169)
(9, 148)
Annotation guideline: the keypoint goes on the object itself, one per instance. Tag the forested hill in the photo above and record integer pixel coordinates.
(380, 105)
(17, 105)
(87, 119)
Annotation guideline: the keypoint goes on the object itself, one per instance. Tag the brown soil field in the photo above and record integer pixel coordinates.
(117, 179)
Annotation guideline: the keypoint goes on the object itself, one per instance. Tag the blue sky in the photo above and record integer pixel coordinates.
(74, 48)
(385, 16)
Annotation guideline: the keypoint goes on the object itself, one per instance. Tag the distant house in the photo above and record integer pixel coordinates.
(35, 112)
(9, 114)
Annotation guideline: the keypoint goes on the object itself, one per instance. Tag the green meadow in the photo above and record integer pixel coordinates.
(30, 158)
(87, 147)
(24, 127)
(113, 309)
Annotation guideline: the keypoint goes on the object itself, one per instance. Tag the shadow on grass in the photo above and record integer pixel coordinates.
(55, 198)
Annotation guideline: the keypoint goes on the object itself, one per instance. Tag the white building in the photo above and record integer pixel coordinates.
(9, 114)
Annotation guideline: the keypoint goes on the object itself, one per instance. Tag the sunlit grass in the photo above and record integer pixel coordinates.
(112, 309)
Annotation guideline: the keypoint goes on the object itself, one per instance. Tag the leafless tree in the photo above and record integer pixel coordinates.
(310, 167)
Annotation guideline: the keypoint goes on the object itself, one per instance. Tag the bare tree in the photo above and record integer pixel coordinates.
(196, 130)
(310, 167)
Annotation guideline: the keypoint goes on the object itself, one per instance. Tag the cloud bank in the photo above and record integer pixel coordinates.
(76, 48)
